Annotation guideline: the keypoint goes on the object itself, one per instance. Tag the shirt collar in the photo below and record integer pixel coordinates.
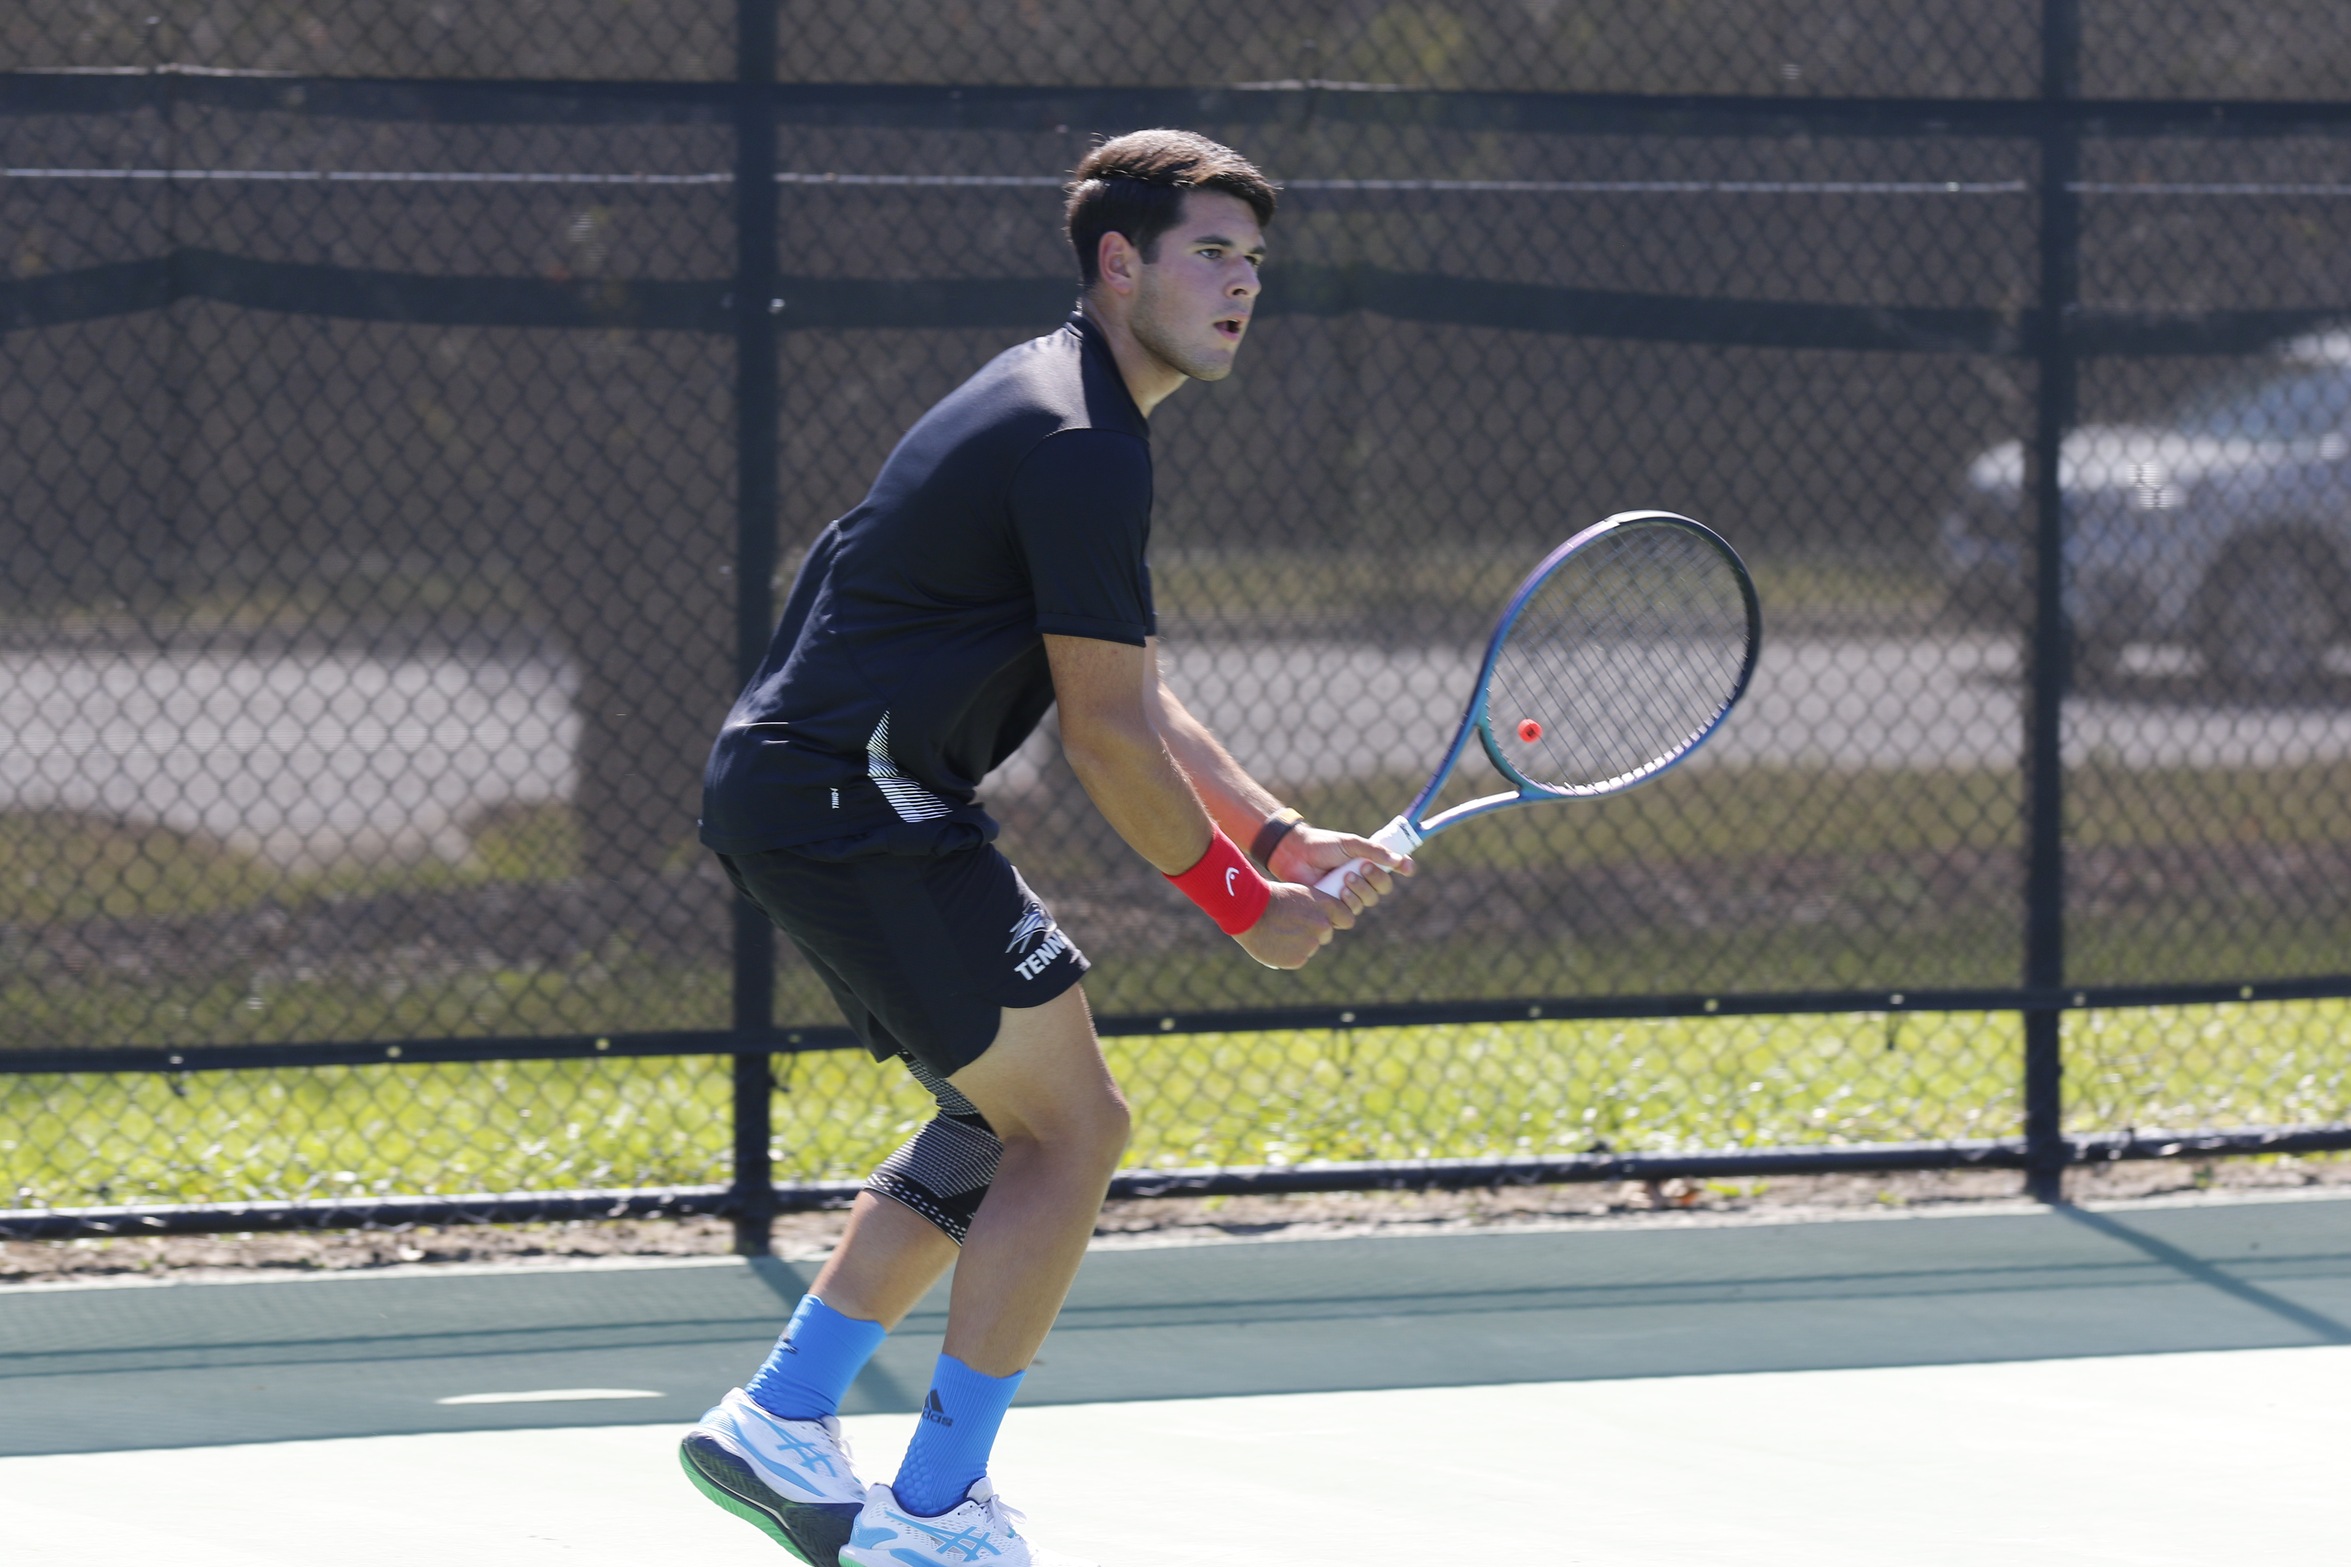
(1094, 345)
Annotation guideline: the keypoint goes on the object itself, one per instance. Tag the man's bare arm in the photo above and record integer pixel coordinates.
(1125, 766)
(1240, 804)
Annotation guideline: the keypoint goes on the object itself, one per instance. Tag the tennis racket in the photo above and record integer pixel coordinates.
(1613, 660)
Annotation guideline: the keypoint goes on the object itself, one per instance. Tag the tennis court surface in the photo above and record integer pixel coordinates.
(2141, 1384)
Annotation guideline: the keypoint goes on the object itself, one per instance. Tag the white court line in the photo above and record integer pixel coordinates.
(552, 1395)
(2134, 1461)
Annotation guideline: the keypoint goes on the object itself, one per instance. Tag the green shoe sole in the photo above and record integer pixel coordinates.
(812, 1531)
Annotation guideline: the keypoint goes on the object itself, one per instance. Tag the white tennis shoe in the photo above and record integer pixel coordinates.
(977, 1529)
(791, 1479)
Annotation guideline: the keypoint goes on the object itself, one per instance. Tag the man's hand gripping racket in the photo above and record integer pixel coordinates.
(1613, 660)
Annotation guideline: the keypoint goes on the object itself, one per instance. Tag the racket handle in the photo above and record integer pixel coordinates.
(1398, 837)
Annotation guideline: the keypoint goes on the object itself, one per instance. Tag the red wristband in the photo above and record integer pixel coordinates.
(1226, 886)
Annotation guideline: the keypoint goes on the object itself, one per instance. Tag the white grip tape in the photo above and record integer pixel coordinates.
(1398, 837)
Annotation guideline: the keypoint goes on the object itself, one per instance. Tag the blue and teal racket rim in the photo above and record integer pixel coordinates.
(1737, 625)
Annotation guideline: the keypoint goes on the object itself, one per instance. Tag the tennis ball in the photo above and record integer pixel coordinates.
(1529, 730)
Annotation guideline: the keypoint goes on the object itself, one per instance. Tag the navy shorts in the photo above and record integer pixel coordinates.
(920, 951)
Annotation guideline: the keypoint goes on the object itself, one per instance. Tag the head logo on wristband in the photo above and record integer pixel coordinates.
(1226, 886)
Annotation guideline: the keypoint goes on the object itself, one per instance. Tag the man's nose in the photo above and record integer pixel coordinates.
(1244, 284)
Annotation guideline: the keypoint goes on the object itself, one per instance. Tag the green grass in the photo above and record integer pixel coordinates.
(62, 865)
(72, 865)
(1235, 1099)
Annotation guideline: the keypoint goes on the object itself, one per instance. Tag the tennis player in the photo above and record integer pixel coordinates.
(997, 567)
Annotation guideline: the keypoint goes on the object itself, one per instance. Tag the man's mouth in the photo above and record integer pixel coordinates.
(1232, 327)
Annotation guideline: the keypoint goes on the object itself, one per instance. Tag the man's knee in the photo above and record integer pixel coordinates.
(1090, 1129)
(1114, 1128)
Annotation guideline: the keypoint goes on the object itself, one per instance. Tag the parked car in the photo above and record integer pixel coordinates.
(2225, 525)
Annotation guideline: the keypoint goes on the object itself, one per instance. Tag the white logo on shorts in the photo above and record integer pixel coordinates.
(1033, 922)
(1035, 925)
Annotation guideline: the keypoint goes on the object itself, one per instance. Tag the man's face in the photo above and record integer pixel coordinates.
(1192, 305)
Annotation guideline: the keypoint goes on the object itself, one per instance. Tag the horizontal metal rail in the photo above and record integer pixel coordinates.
(1478, 1174)
(361, 1213)
(1263, 1180)
(538, 101)
(833, 304)
(826, 179)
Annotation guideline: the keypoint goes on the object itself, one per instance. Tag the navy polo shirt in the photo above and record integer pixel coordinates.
(910, 659)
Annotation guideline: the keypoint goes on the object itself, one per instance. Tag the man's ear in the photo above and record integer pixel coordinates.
(1117, 263)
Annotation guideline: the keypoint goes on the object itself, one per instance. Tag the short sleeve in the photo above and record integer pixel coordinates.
(1081, 504)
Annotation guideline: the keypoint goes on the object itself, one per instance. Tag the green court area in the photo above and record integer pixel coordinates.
(89, 1369)
(2131, 1385)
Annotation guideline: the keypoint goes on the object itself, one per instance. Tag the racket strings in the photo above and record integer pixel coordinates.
(1625, 655)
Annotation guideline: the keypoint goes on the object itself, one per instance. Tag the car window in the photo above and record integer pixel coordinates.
(2294, 405)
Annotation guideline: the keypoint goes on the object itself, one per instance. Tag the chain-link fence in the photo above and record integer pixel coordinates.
(407, 413)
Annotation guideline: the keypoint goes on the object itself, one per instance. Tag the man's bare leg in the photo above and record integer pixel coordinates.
(887, 1260)
(1049, 1095)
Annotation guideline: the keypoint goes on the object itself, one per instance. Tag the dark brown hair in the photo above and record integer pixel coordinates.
(1135, 186)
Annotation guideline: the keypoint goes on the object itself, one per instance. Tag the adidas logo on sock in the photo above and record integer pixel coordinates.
(932, 1409)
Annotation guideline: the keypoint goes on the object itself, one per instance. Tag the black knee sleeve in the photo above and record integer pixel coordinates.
(943, 1172)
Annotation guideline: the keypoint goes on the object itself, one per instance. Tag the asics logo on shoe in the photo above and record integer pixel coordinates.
(971, 1545)
(936, 1412)
(778, 1446)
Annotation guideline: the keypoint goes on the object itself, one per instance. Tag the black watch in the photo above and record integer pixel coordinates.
(1276, 828)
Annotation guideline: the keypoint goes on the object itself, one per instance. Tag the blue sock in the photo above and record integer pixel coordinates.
(814, 1362)
(960, 1415)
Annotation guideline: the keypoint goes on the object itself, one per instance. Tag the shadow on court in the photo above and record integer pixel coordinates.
(88, 1370)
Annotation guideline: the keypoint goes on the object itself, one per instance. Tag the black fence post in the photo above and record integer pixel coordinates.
(2044, 963)
(756, 412)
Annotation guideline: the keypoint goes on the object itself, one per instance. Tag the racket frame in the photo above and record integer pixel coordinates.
(1478, 719)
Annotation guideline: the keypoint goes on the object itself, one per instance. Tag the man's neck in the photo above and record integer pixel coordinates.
(1150, 379)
